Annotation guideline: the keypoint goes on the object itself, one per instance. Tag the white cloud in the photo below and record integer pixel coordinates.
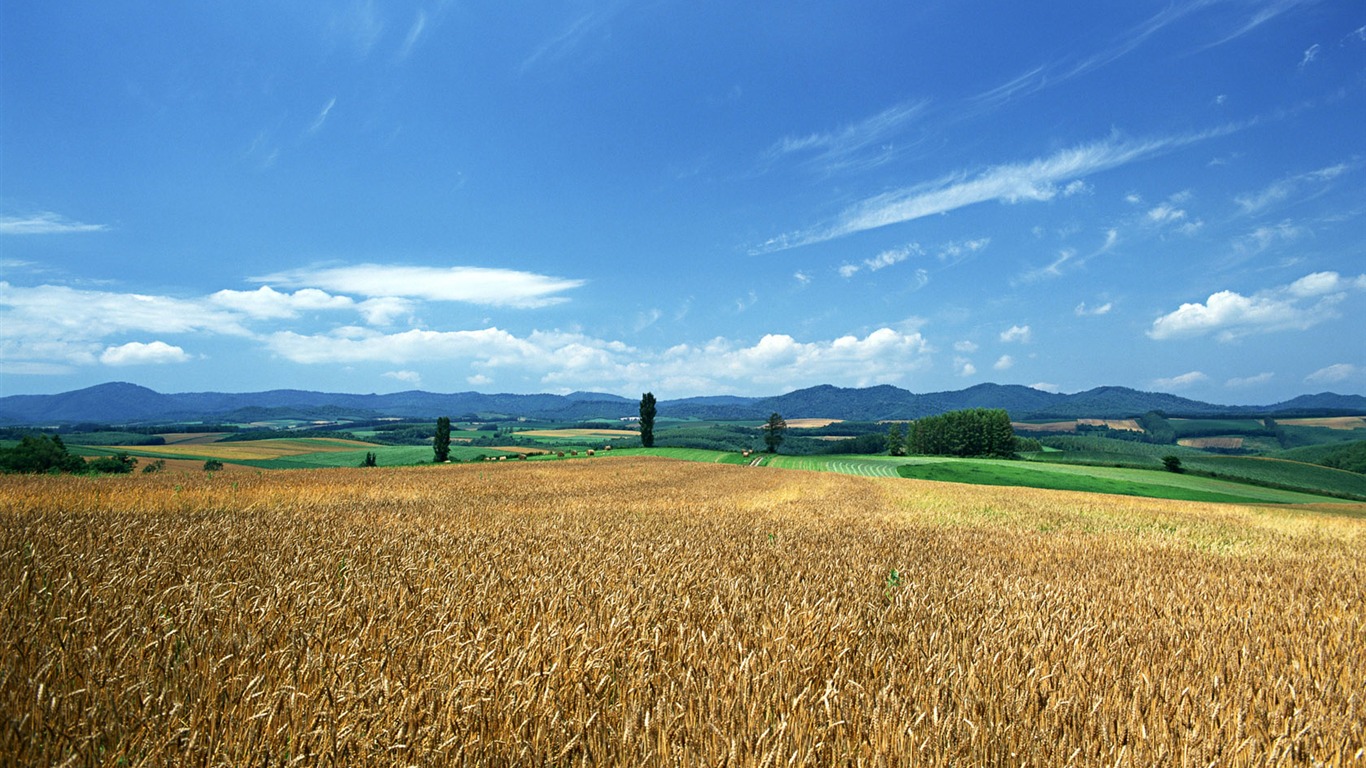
(801, 277)
(1333, 374)
(45, 223)
(1004, 363)
(776, 361)
(385, 310)
(414, 34)
(1250, 381)
(964, 346)
(59, 313)
(1035, 180)
(138, 353)
(321, 119)
(955, 251)
(964, 367)
(1084, 311)
(1298, 306)
(1044, 386)
(478, 380)
(860, 145)
(476, 285)
(883, 260)
(408, 377)
(1167, 214)
(268, 303)
(1281, 191)
(1017, 333)
(1182, 381)
(1267, 235)
(1310, 53)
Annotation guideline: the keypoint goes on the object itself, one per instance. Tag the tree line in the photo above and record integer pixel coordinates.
(971, 432)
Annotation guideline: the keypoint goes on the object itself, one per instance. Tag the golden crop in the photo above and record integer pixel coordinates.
(633, 611)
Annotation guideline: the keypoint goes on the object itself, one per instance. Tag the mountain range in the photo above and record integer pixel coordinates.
(124, 403)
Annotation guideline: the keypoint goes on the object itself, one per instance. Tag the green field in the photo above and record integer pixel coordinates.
(1091, 463)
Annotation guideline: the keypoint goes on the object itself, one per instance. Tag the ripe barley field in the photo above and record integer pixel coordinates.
(643, 611)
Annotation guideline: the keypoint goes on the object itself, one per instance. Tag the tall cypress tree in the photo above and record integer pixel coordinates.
(441, 444)
(647, 420)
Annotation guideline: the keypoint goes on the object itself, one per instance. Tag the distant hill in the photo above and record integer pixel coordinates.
(124, 403)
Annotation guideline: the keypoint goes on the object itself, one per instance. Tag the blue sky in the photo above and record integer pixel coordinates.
(688, 198)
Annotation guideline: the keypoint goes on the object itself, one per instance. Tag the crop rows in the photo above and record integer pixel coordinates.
(637, 611)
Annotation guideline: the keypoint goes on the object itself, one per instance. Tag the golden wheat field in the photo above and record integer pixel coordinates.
(637, 611)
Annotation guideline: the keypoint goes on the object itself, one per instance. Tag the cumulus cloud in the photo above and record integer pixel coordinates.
(45, 223)
(1044, 386)
(1298, 306)
(58, 324)
(268, 303)
(1004, 363)
(775, 361)
(1333, 374)
(1017, 333)
(1182, 381)
(964, 367)
(138, 353)
(965, 346)
(1084, 311)
(408, 377)
(475, 285)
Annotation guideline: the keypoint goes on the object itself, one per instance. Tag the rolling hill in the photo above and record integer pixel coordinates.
(124, 403)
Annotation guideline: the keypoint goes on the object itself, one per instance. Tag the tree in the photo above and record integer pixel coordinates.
(118, 464)
(896, 440)
(213, 465)
(441, 444)
(1172, 463)
(40, 453)
(773, 432)
(647, 420)
(370, 460)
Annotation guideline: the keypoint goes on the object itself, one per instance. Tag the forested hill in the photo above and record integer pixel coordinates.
(123, 403)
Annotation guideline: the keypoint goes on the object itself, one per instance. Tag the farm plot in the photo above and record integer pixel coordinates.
(647, 612)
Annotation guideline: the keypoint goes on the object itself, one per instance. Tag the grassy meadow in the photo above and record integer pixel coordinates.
(635, 610)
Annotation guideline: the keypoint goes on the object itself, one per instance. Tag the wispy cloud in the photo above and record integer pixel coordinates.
(475, 285)
(1300, 305)
(883, 260)
(867, 143)
(1182, 381)
(1333, 374)
(414, 35)
(1084, 311)
(358, 25)
(1250, 381)
(321, 118)
(1262, 12)
(1034, 180)
(45, 223)
(1282, 190)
